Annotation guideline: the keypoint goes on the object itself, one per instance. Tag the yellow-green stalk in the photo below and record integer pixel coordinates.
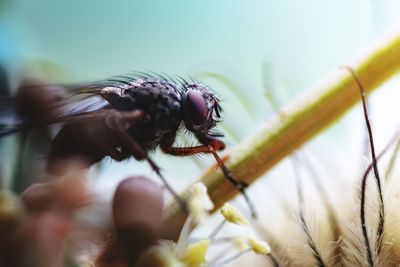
(308, 116)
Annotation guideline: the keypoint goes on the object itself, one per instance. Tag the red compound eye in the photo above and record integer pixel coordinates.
(196, 107)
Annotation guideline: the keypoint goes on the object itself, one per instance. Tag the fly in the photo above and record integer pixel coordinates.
(129, 116)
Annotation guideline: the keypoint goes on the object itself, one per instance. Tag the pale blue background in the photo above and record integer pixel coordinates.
(298, 41)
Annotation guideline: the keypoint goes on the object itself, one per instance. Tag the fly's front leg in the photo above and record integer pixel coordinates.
(188, 151)
(241, 186)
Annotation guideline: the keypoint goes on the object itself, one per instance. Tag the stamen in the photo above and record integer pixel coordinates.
(232, 215)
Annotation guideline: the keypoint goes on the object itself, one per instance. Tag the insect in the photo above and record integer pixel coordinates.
(131, 115)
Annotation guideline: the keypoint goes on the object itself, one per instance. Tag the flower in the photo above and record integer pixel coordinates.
(199, 202)
(183, 254)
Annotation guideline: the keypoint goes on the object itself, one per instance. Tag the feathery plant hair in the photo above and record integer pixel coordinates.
(369, 239)
(379, 232)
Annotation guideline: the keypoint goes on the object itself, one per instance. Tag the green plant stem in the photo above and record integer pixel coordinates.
(308, 116)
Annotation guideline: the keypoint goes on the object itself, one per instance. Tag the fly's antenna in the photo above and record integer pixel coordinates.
(374, 165)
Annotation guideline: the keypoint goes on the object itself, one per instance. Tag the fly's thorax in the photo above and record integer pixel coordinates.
(161, 103)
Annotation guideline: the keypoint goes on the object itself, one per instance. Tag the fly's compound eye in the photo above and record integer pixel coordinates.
(196, 109)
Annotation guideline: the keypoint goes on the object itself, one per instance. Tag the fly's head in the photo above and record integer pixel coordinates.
(201, 112)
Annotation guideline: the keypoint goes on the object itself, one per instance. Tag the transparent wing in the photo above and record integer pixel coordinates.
(8, 114)
(66, 101)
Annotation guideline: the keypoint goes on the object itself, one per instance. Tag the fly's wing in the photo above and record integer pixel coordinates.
(70, 100)
(55, 103)
(8, 114)
(85, 97)
(76, 107)
(9, 120)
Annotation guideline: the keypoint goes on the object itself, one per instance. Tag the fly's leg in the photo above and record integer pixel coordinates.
(120, 126)
(239, 185)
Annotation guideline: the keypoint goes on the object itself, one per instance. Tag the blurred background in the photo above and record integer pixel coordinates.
(246, 50)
